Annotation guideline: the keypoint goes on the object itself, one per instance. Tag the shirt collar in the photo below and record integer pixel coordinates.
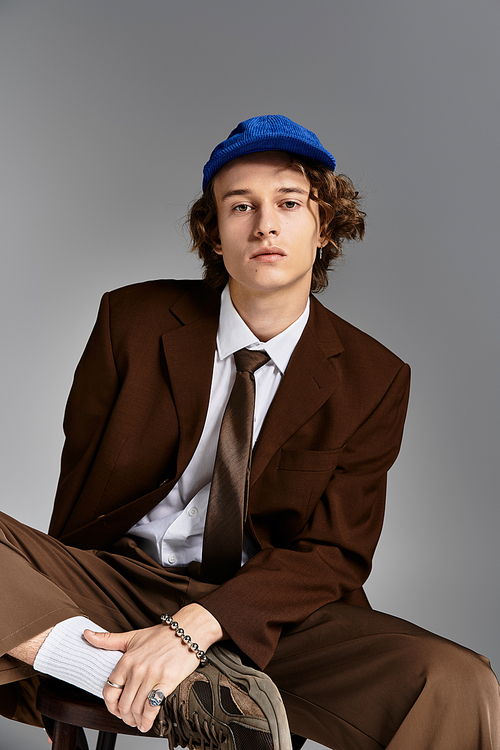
(234, 334)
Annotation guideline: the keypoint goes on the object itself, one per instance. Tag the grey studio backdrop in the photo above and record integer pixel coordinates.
(109, 108)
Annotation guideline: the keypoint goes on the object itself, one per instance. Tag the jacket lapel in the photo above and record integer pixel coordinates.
(309, 380)
(189, 353)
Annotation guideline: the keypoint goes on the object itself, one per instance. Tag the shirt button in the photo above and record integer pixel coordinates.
(171, 559)
(192, 512)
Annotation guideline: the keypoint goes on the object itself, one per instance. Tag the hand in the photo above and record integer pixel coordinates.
(153, 658)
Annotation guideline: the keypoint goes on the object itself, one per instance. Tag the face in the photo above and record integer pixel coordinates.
(269, 228)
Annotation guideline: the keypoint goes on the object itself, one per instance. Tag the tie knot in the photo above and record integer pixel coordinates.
(248, 360)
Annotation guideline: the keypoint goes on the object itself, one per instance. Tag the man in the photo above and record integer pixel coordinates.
(268, 555)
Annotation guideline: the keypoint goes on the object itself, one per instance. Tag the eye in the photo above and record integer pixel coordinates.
(242, 208)
(290, 204)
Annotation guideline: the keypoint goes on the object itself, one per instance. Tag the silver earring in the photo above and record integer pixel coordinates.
(320, 253)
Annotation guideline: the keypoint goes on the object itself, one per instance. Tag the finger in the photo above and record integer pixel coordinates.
(135, 707)
(112, 695)
(147, 711)
(121, 706)
(126, 704)
(108, 641)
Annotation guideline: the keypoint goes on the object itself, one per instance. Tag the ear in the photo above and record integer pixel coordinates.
(214, 240)
(322, 240)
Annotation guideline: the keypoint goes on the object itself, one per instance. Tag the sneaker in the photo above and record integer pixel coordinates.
(225, 705)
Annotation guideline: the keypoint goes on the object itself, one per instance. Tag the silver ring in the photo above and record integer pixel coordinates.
(113, 684)
(156, 698)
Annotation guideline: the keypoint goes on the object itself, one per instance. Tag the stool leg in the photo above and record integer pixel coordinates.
(106, 741)
(297, 741)
(64, 736)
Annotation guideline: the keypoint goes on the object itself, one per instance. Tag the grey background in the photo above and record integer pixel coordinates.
(109, 108)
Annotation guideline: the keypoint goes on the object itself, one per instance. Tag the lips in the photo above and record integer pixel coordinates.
(263, 251)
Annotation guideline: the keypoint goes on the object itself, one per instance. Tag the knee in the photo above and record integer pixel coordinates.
(455, 668)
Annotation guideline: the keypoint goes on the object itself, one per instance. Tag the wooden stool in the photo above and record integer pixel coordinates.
(69, 709)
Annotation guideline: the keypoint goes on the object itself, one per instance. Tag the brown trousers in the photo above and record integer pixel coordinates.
(351, 678)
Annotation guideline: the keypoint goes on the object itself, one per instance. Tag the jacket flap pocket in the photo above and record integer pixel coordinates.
(294, 460)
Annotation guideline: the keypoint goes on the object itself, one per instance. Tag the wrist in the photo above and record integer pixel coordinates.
(199, 624)
(185, 638)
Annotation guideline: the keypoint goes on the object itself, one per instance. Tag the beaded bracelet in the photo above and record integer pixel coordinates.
(186, 639)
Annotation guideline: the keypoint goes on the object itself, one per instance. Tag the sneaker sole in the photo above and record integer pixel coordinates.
(260, 688)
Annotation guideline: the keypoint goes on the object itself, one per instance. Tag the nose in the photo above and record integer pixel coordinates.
(266, 222)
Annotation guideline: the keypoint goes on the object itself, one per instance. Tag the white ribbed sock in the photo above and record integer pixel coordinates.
(66, 654)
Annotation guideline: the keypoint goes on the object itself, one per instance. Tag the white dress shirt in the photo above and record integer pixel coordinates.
(172, 532)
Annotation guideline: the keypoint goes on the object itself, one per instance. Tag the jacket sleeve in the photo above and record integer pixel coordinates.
(90, 403)
(332, 554)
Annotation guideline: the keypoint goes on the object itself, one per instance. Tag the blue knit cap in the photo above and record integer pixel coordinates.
(266, 133)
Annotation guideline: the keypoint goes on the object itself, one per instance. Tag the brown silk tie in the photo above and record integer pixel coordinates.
(227, 504)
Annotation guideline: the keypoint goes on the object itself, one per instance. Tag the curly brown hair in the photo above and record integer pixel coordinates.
(340, 215)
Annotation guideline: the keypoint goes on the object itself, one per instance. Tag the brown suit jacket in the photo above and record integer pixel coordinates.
(135, 414)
